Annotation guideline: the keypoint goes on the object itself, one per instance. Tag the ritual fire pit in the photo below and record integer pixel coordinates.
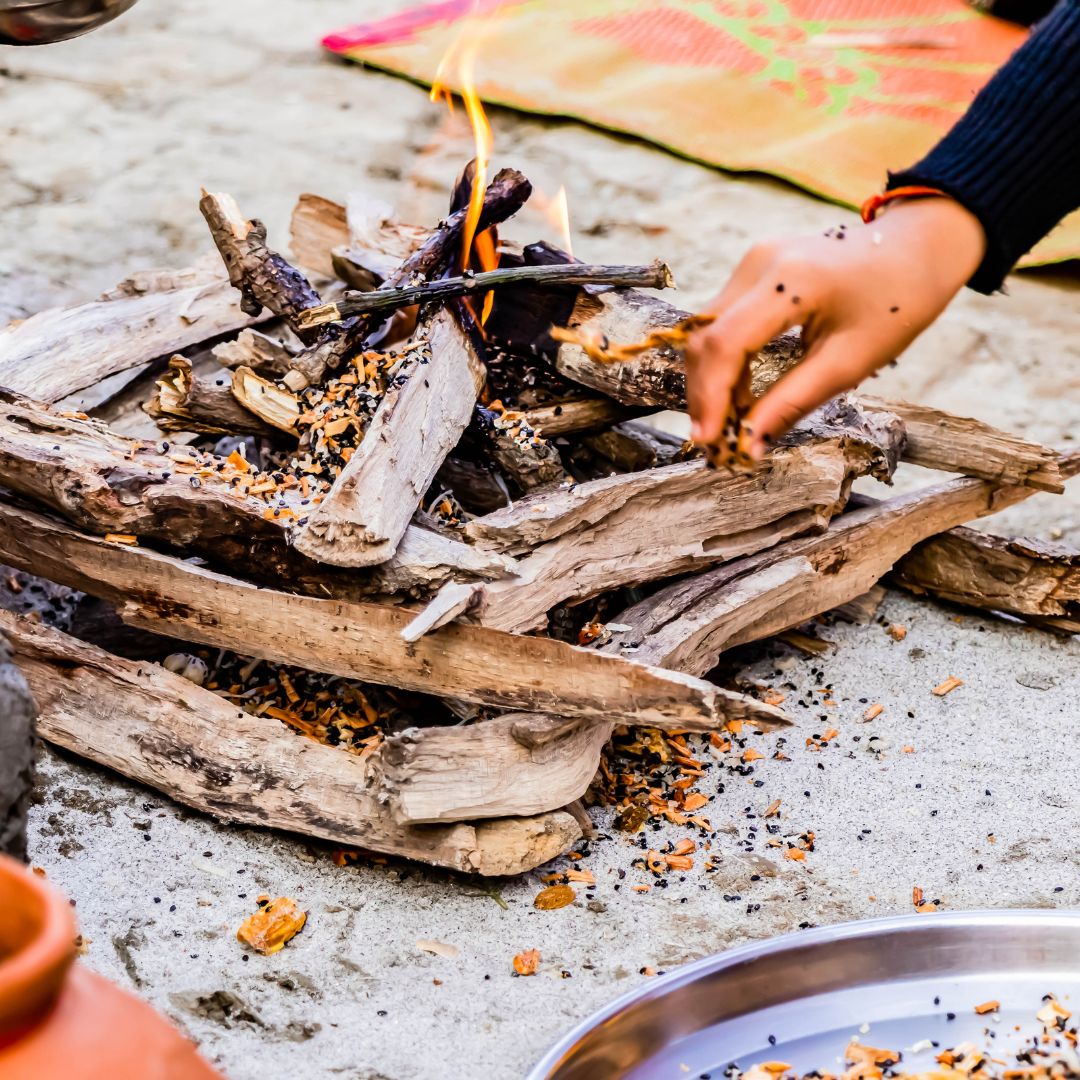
(393, 560)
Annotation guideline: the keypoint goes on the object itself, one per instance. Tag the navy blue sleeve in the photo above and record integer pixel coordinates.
(1013, 159)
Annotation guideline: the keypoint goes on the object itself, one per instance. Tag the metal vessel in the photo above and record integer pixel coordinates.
(41, 22)
(894, 983)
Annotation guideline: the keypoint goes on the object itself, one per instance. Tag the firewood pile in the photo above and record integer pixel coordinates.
(380, 548)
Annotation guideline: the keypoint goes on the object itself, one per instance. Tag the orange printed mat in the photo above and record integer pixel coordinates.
(825, 93)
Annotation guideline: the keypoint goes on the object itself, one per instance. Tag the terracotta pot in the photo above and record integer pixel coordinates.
(59, 1021)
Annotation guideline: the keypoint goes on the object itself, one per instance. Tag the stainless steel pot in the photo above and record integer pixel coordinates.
(40, 22)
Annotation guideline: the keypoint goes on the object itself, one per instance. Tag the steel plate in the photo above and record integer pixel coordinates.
(812, 991)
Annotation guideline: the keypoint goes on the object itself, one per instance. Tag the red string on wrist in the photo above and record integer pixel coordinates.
(873, 205)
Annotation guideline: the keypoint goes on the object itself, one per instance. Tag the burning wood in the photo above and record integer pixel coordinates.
(406, 501)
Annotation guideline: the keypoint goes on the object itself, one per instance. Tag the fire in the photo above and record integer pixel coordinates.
(458, 66)
(560, 218)
(477, 250)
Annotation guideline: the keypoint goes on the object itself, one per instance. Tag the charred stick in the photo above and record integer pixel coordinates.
(505, 195)
(655, 276)
(264, 278)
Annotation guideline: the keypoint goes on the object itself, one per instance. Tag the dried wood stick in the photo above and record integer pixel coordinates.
(1024, 577)
(184, 400)
(259, 352)
(941, 440)
(431, 775)
(575, 415)
(265, 399)
(527, 460)
(264, 278)
(361, 520)
(688, 624)
(60, 351)
(655, 276)
(642, 526)
(363, 640)
(109, 484)
(162, 730)
(505, 195)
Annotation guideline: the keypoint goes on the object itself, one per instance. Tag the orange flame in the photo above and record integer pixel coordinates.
(559, 215)
(477, 250)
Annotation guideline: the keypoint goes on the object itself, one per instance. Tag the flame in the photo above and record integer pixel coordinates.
(559, 215)
(477, 250)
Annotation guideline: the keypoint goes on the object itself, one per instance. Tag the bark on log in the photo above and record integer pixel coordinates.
(361, 520)
(1024, 577)
(62, 350)
(263, 277)
(688, 624)
(940, 440)
(363, 640)
(188, 401)
(164, 731)
(17, 747)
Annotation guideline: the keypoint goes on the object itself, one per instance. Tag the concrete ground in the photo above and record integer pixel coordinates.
(106, 142)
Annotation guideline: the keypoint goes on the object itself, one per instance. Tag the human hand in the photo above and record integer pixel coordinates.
(861, 294)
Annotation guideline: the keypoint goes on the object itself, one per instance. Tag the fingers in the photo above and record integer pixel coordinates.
(836, 365)
(718, 359)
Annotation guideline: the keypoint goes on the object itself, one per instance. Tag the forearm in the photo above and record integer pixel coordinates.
(1014, 158)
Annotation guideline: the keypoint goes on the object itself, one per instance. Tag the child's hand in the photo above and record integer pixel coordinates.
(861, 295)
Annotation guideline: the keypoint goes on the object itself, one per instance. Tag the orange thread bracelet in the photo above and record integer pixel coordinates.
(870, 208)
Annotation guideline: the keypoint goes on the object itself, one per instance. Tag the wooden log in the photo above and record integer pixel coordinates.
(689, 623)
(108, 484)
(478, 488)
(265, 400)
(383, 301)
(60, 351)
(267, 357)
(940, 440)
(824, 446)
(161, 730)
(316, 227)
(663, 522)
(170, 596)
(517, 760)
(633, 446)
(185, 400)
(1028, 578)
(263, 277)
(575, 415)
(361, 520)
(524, 457)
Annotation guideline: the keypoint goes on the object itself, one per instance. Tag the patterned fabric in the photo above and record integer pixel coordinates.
(825, 93)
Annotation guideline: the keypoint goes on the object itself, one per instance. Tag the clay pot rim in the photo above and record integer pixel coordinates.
(41, 964)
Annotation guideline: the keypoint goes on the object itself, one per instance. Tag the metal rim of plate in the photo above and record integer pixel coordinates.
(814, 985)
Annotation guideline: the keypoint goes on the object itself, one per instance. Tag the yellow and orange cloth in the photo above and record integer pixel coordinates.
(825, 93)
